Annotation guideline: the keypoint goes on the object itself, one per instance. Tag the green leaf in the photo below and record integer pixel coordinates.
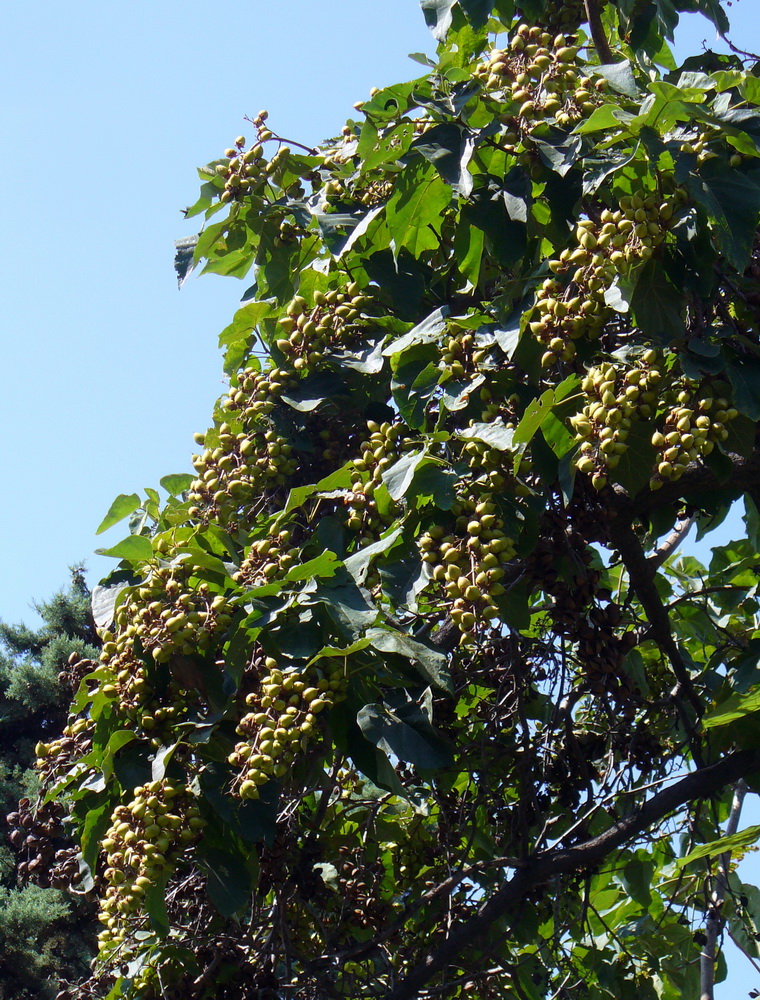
(228, 881)
(744, 375)
(732, 201)
(134, 548)
(310, 393)
(398, 477)
(178, 483)
(404, 731)
(427, 331)
(736, 842)
(326, 564)
(620, 77)
(122, 507)
(496, 434)
(558, 150)
(103, 603)
(448, 147)
(656, 303)
(420, 197)
(737, 706)
(162, 759)
(96, 823)
(358, 564)
(438, 16)
(431, 663)
(602, 119)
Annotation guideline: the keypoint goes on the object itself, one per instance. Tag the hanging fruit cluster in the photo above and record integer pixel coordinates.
(692, 428)
(470, 564)
(233, 476)
(572, 305)
(282, 720)
(539, 73)
(267, 559)
(34, 834)
(311, 330)
(617, 397)
(387, 442)
(143, 842)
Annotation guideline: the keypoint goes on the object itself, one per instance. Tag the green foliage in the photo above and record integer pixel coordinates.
(44, 936)
(408, 688)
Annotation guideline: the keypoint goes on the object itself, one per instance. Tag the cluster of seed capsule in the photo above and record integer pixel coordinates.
(282, 718)
(462, 353)
(56, 759)
(330, 322)
(246, 172)
(385, 446)
(167, 619)
(143, 840)
(470, 563)
(539, 72)
(602, 250)
(256, 393)
(267, 559)
(692, 428)
(166, 616)
(232, 477)
(616, 397)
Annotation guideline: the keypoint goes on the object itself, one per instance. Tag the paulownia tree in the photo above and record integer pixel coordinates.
(407, 690)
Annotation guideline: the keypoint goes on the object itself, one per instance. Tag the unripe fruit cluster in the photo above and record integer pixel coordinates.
(55, 759)
(330, 322)
(385, 445)
(603, 250)
(257, 393)
(282, 719)
(233, 476)
(167, 618)
(692, 429)
(540, 73)
(247, 172)
(462, 354)
(470, 563)
(143, 840)
(616, 397)
(267, 559)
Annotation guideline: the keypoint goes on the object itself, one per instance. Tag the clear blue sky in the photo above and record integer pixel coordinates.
(107, 109)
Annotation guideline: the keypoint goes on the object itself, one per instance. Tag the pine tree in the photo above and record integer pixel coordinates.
(46, 935)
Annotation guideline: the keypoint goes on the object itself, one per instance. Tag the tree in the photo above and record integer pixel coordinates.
(44, 936)
(407, 690)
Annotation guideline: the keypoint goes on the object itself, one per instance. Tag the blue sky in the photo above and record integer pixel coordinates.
(107, 109)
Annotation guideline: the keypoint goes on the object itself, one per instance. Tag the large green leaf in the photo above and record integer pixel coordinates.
(404, 730)
(420, 197)
(124, 505)
(134, 548)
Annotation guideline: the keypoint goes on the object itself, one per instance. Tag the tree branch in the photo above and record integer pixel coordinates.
(594, 16)
(541, 867)
(715, 914)
(672, 542)
(642, 575)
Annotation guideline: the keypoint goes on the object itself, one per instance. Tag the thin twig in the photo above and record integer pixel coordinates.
(714, 921)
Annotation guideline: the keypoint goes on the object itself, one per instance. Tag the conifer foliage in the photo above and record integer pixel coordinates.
(407, 691)
(46, 937)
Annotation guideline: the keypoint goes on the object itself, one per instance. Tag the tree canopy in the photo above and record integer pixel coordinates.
(407, 690)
